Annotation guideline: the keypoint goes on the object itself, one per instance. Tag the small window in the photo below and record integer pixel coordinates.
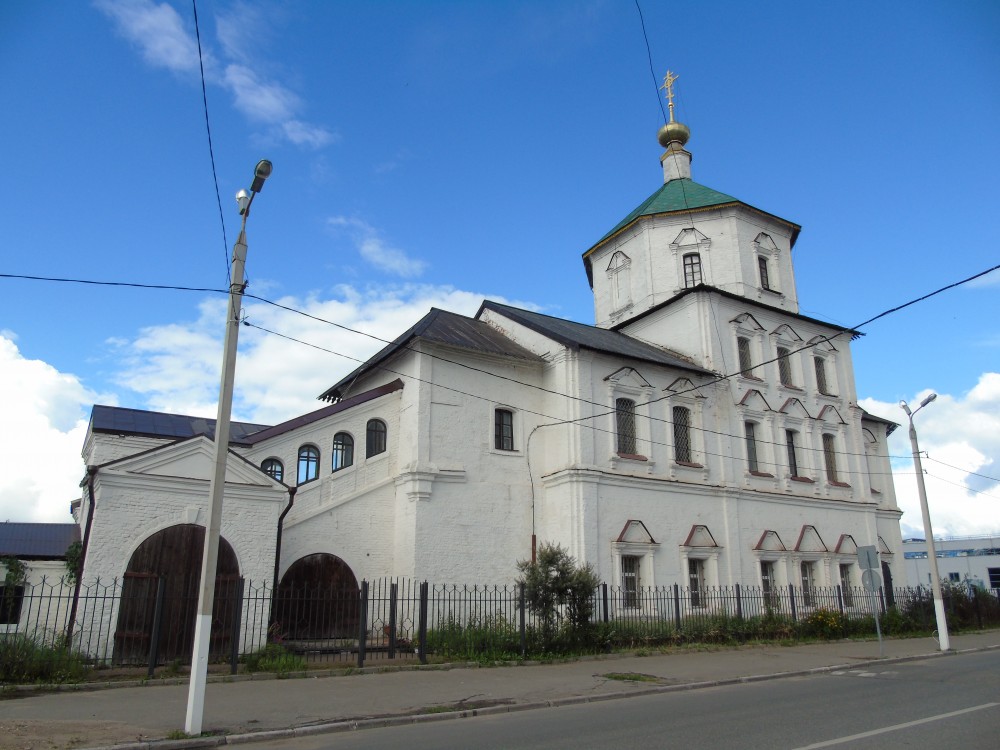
(308, 463)
(503, 430)
(692, 270)
(751, 438)
(768, 583)
(784, 366)
(791, 440)
(846, 584)
(808, 570)
(954, 578)
(821, 384)
(343, 451)
(376, 435)
(630, 580)
(11, 599)
(273, 468)
(625, 423)
(830, 457)
(994, 574)
(696, 577)
(765, 281)
(743, 349)
(682, 434)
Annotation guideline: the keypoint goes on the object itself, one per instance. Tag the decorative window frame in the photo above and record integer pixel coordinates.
(753, 407)
(682, 392)
(765, 249)
(746, 326)
(700, 544)
(830, 422)
(635, 541)
(821, 348)
(690, 240)
(796, 418)
(370, 456)
(786, 337)
(873, 457)
(627, 382)
(516, 432)
(620, 276)
(298, 463)
(354, 452)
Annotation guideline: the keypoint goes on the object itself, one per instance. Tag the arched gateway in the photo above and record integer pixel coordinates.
(317, 599)
(174, 555)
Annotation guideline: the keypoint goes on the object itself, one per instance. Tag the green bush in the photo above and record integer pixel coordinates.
(560, 593)
(24, 661)
(273, 658)
(824, 623)
(490, 637)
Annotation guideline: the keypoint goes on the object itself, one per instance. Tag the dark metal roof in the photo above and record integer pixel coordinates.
(581, 336)
(37, 541)
(890, 426)
(442, 327)
(119, 421)
(326, 411)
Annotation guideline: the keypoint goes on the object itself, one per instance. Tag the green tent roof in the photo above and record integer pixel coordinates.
(677, 195)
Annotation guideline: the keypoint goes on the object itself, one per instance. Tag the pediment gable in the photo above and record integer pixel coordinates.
(754, 399)
(794, 407)
(846, 545)
(810, 541)
(748, 321)
(700, 536)
(830, 414)
(821, 344)
(787, 332)
(635, 532)
(883, 548)
(770, 542)
(764, 242)
(193, 458)
(690, 237)
(628, 376)
(684, 386)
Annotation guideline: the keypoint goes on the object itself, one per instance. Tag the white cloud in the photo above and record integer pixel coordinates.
(44, 413)
(160, 34)
(374, 249)
(176, 367)
(959, 437)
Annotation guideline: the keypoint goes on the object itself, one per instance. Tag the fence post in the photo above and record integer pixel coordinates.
(422, 631)
(739, 603)
(522, 619)
(234, 654)
(677, 606)
(393, 598)
(791, 599)
(604, 601)
(154, 638)
(840, 598)
(362, 623)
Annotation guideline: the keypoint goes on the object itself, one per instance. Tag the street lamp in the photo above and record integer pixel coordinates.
(206, 597)
(942, 622)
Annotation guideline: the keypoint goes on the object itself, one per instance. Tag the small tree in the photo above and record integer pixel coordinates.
(556, 582)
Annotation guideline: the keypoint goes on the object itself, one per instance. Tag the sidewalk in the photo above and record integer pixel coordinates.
(241, 711)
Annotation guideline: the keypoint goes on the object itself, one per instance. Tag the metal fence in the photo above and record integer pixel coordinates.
(148, 621)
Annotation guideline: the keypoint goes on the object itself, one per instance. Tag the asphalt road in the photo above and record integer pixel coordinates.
(937, 703)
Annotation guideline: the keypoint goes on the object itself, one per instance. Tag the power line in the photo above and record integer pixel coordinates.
(965, 471)
(211, 151)
(649, 56)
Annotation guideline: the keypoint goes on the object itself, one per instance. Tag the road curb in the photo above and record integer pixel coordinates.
(351, 725)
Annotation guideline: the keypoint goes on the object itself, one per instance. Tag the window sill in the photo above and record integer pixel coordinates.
(790, 387)
(840, 484)
(631, 456)
(505, 452)
(761, 474)
(754, 378)
(689, 464)
(805, 480)
(775, 292)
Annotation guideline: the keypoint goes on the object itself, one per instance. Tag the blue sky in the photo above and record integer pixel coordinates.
(436, 153)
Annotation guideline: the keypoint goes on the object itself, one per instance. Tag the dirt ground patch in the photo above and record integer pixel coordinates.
(53, 734)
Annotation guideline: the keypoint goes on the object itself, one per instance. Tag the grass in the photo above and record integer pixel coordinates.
(631, 677)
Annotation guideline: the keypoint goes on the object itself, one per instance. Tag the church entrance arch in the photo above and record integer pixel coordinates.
(173, 556)
(318, 599)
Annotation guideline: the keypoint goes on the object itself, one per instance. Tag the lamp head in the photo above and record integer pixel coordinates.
(243, 201)
(260, 173)
(928, 400)
(904, 407)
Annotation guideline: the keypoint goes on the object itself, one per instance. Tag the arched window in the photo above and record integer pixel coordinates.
(273, 468)
(375, 438)
(692, 270)
(625, 423)
(308, 463)
(343, 451)
(503, 430)
(784, 365)
(621, 285)
(830, 457)
(682, 434)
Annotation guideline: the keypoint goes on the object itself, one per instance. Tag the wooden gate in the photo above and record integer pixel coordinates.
(174, 556)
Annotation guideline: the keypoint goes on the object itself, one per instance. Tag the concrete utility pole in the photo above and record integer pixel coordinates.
(209, 560)
(944, 641)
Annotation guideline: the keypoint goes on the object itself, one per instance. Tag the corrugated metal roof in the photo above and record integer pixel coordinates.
(579, 335)
(37, 541)
(116, 420)
(442, 327)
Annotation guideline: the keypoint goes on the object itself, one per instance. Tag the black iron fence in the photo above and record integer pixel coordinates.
(148, 621)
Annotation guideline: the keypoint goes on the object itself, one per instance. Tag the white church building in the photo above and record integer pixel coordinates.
(702, 432)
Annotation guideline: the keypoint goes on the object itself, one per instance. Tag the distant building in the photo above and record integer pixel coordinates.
(703, 432)
(41, 549)
(960, 559)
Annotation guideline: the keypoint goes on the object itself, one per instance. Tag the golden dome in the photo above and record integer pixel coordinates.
(673, 131)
